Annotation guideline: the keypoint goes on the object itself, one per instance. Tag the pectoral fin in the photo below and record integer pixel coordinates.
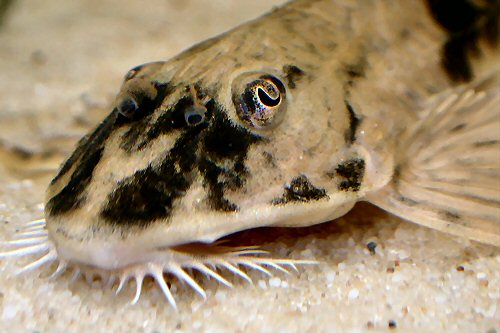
(447, 174)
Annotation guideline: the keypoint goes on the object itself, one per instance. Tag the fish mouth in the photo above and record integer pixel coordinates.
(179, 262)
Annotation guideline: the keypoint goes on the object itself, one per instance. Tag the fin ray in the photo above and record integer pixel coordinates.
(448, 165)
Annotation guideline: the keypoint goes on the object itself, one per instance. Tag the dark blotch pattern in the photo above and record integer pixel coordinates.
(301, 190)
(212, 175)
(224, 144)
(89, 150)
(465, 22)
(150, 193)
(89, 143)
(225, 140)
(455, 59)
(216, 149)
(169, 121)
(72, 195)
(350, 135)
(292, 74)
(84, 159)
(352, 171)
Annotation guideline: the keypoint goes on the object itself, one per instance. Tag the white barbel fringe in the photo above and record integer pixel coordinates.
(32, 240)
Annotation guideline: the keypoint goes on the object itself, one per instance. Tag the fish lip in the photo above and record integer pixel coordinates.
(108, 256)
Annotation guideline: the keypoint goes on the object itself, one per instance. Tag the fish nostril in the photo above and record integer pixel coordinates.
(128, 107)
(194, 119)
(195, 115)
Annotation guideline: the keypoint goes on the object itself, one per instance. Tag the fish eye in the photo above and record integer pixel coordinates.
(260, 99)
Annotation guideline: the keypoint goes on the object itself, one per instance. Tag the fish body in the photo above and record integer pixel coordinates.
(288, 120)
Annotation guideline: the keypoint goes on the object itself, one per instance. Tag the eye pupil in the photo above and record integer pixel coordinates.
(266, 99)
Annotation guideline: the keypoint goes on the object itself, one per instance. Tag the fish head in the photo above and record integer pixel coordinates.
(206, 145)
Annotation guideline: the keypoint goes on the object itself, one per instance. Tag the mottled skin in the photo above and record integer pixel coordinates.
(356, 73)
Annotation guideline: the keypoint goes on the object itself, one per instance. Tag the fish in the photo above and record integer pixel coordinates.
(286, 121)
